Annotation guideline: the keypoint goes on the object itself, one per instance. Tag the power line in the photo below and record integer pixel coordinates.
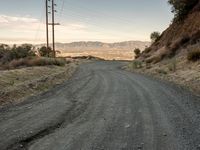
(39, 25)
(98, 13)
(62, 8)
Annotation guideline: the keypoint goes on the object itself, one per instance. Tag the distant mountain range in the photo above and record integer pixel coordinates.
(120, 50)
(128, 45)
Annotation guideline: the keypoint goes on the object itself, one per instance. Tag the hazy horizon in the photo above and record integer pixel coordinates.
(19, 43)
(104, 21)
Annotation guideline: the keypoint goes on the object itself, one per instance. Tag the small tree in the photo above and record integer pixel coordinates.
(45, 52)
(137, 52)
(180, 8)
(155, 36)
(17, 52)
(3, 50)
(25, 50)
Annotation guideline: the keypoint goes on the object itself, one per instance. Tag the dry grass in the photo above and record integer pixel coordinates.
(35, 61)
(179, 70)
(194, 54)
(17, 84)
(158, 55)
(177, 44)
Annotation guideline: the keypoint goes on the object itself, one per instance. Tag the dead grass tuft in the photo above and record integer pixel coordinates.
(178, 44)
(194, 54)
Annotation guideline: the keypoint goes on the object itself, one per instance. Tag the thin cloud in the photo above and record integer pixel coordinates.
(12, 19)
(23, 27)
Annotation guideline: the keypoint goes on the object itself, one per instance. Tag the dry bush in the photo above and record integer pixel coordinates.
(154, 59)
(149, 60)
(194, 54)
(168, 44)
(146, 55)
(158, 55)
(195, 37)
(46, 61)
(147, 50)
(157, 59)
(178, 44)
(172, 66)
(18, 63)
(37, 61)
(161, 71)
(148, 65)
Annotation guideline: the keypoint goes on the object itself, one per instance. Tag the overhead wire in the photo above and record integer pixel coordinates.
(83, 20)
(99, 13)
(37, 36)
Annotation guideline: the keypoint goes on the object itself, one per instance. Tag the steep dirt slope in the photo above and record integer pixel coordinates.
(185, 32)
(167, 58)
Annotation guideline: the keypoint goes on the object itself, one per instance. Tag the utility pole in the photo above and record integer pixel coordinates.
(53, 28)
(52, 24)
(47, 24)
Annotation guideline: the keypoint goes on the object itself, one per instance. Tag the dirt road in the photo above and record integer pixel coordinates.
(104, 108)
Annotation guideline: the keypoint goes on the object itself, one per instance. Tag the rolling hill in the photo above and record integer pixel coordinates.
(118, 51)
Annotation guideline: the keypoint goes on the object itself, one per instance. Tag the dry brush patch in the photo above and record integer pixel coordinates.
(177, 70)
(194, 54)
(34, 61)
(18, 84)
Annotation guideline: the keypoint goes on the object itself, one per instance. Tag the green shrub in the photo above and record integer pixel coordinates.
(8, 54)
(3, 50)
(137, 52)
(136, 64)
(45, 52)
(25, 50)
(194, 54)
(181, 8)
(155, 36)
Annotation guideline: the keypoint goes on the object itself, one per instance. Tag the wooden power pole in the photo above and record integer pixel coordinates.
(47, 24)
(52, 24)
(53, 28)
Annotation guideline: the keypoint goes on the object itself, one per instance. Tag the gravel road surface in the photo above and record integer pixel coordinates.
(103, 107)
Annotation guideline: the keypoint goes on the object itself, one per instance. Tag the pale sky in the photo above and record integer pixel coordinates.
(23, 21)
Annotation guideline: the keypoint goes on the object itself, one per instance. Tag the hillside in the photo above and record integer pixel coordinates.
(175, 39)
(175, 54)
(121, 50)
